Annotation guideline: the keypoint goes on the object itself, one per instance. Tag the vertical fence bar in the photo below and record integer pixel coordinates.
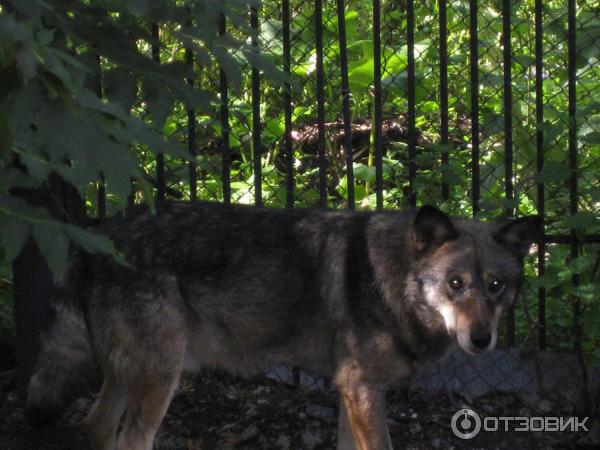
(573, 188)
(224, 119)
(191, 134)
(102, 199)
(101, 186)
(377, 113)
(443, 24)
(474, 63)
(508, 99)
(572, 142)
(256, 126)
(508, 140)
(320, 104)
(341, 15)
(160, 158)
(539, 144)
(412, 138)
(287, 99)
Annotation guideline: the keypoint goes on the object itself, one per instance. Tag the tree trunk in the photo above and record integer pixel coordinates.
(32, 279)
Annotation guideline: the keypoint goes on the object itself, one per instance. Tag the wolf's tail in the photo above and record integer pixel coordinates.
(65, 362)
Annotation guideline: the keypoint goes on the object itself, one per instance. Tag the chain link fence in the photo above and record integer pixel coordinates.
(486, 108)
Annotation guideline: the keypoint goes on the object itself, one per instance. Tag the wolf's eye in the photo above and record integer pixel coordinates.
(456, 283)
(495, 285)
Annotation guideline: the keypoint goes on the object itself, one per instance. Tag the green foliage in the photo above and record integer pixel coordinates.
(57, 56)
(7, 326)
(52, 116)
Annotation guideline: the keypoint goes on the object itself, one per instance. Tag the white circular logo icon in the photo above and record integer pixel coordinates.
(465, 423)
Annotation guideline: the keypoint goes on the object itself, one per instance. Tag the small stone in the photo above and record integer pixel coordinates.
(525, 412)
(311, 439)
(231, 438)
(320, 412)
(545, 406)
(82, 404)
(283, 442)
(489, 409)
(415, 428)
(392, 422)
(436, 443)
(467, 397)
(12, 397)
(249, 433)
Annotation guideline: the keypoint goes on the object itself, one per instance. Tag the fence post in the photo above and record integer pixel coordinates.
(574, 190)
(160, 157)
(377, 113)
(287, 99)
(191, 132)
(443, 24)
(412, 136)
(348, 153)
(224, 119)
(474, 64)
(539, 144)
(256, 125)
(508, 139)
(320, 104)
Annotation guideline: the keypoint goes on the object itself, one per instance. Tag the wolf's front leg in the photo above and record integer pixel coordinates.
(363, 425)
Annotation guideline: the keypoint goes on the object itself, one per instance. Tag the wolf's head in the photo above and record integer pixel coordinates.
(469, 272)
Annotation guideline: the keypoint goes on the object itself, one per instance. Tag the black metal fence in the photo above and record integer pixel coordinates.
(486, 107)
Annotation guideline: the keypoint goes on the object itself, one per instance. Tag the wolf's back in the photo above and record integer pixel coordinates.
(65, 361)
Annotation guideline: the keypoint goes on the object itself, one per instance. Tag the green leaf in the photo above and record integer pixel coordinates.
(394, 63)
(37, 168)
(260, 62)
(13, 235)
(582, 263)
(364, 173)
(158, 99)
(139, 8)
(553, 171)
(120, 87)
(230, 66)
(94, 243)
(275, 126)
(5, 138)
(53, 245)
(361, 77)
(547, 281)
(593, 137)
(583, 219)
(397, 83)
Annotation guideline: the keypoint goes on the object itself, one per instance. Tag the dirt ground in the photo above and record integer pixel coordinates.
(216, 411)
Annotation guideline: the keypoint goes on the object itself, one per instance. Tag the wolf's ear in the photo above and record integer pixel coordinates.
(432, 228)
(519, 234)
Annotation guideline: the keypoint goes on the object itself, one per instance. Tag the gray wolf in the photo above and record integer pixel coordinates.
(361, 297)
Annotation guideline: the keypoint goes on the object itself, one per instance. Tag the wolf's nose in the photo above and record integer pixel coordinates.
(481, 338)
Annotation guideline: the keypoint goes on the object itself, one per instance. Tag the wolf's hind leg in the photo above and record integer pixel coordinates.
(103, 420)
(146, 407)
(151, 336)
(345, 440)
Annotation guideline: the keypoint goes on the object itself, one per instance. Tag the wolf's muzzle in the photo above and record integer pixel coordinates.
(481, 338)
